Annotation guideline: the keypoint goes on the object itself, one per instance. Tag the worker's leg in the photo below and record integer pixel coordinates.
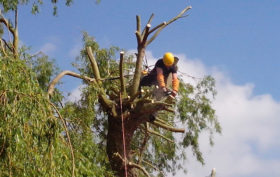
(147, 81)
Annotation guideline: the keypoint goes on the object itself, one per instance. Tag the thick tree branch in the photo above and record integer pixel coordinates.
(138, 37)
(134, 165)
(138, 70)
(138, 30)
(94, 65)
(149, 22)
(152, 107)
(6, 23)
(69, 73)
(154, 167)
(146, 34)
(2, 48)
(14, 31)
(16, 19)
(7, 45)
(167, 127)
(138, 23)
(151, 18)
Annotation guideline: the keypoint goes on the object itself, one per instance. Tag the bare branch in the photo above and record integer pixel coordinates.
(6, 23)
(149, 22)
(163, 122)
(70, 73)
(133, 165)
(169, 22)
(138, 37)
(121, 74)
(160, 135)
(2, 47)
(7, 45)
(146, 34)
(153, 106)
(151, 18)
(144, 143)
(167, 127)
(157, 27)
(14, 31)
(94, 65)
(138, 23)
(154, 167)
(16, 19)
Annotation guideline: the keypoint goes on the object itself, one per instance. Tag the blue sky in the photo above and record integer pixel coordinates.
(236, 41)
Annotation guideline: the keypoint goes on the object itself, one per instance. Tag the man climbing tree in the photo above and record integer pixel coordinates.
(159, 74)
(164, 68)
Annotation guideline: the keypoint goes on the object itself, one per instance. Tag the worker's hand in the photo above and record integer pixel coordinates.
(174, 93)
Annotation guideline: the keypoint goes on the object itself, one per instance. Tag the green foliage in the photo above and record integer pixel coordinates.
(32, 137)
(30, 134)
(195, 110)
(11, 5)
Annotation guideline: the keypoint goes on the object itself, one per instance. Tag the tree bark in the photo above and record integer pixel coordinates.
(115, 146)
(138, 70)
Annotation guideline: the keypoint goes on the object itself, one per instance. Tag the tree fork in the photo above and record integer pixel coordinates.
(143, 41)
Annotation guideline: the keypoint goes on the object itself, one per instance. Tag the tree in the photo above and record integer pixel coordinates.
(112, 110)
(34, 137)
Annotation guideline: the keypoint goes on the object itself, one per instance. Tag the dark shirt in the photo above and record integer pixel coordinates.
(166, 70)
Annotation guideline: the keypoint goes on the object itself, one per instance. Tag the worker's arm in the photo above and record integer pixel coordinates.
(160, 78)
(175, 84)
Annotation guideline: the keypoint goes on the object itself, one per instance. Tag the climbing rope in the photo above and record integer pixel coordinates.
(123, 136)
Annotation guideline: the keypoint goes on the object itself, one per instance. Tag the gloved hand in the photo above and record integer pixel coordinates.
(174, 93)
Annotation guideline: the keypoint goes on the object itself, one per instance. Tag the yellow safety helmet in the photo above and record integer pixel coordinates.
(168, 59)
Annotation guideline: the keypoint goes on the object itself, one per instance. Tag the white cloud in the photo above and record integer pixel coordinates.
(48, 48)
(75, 51)
(249, 143)
(75, 94)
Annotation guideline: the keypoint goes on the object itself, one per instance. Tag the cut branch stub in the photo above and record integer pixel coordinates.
(122, 80)
(167, 127)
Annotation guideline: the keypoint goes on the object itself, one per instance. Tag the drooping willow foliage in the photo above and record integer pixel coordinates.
(33, 135)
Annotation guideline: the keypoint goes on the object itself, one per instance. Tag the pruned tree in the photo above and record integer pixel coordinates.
(134, 145)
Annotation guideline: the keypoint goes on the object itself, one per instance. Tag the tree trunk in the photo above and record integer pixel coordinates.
(115, 145)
